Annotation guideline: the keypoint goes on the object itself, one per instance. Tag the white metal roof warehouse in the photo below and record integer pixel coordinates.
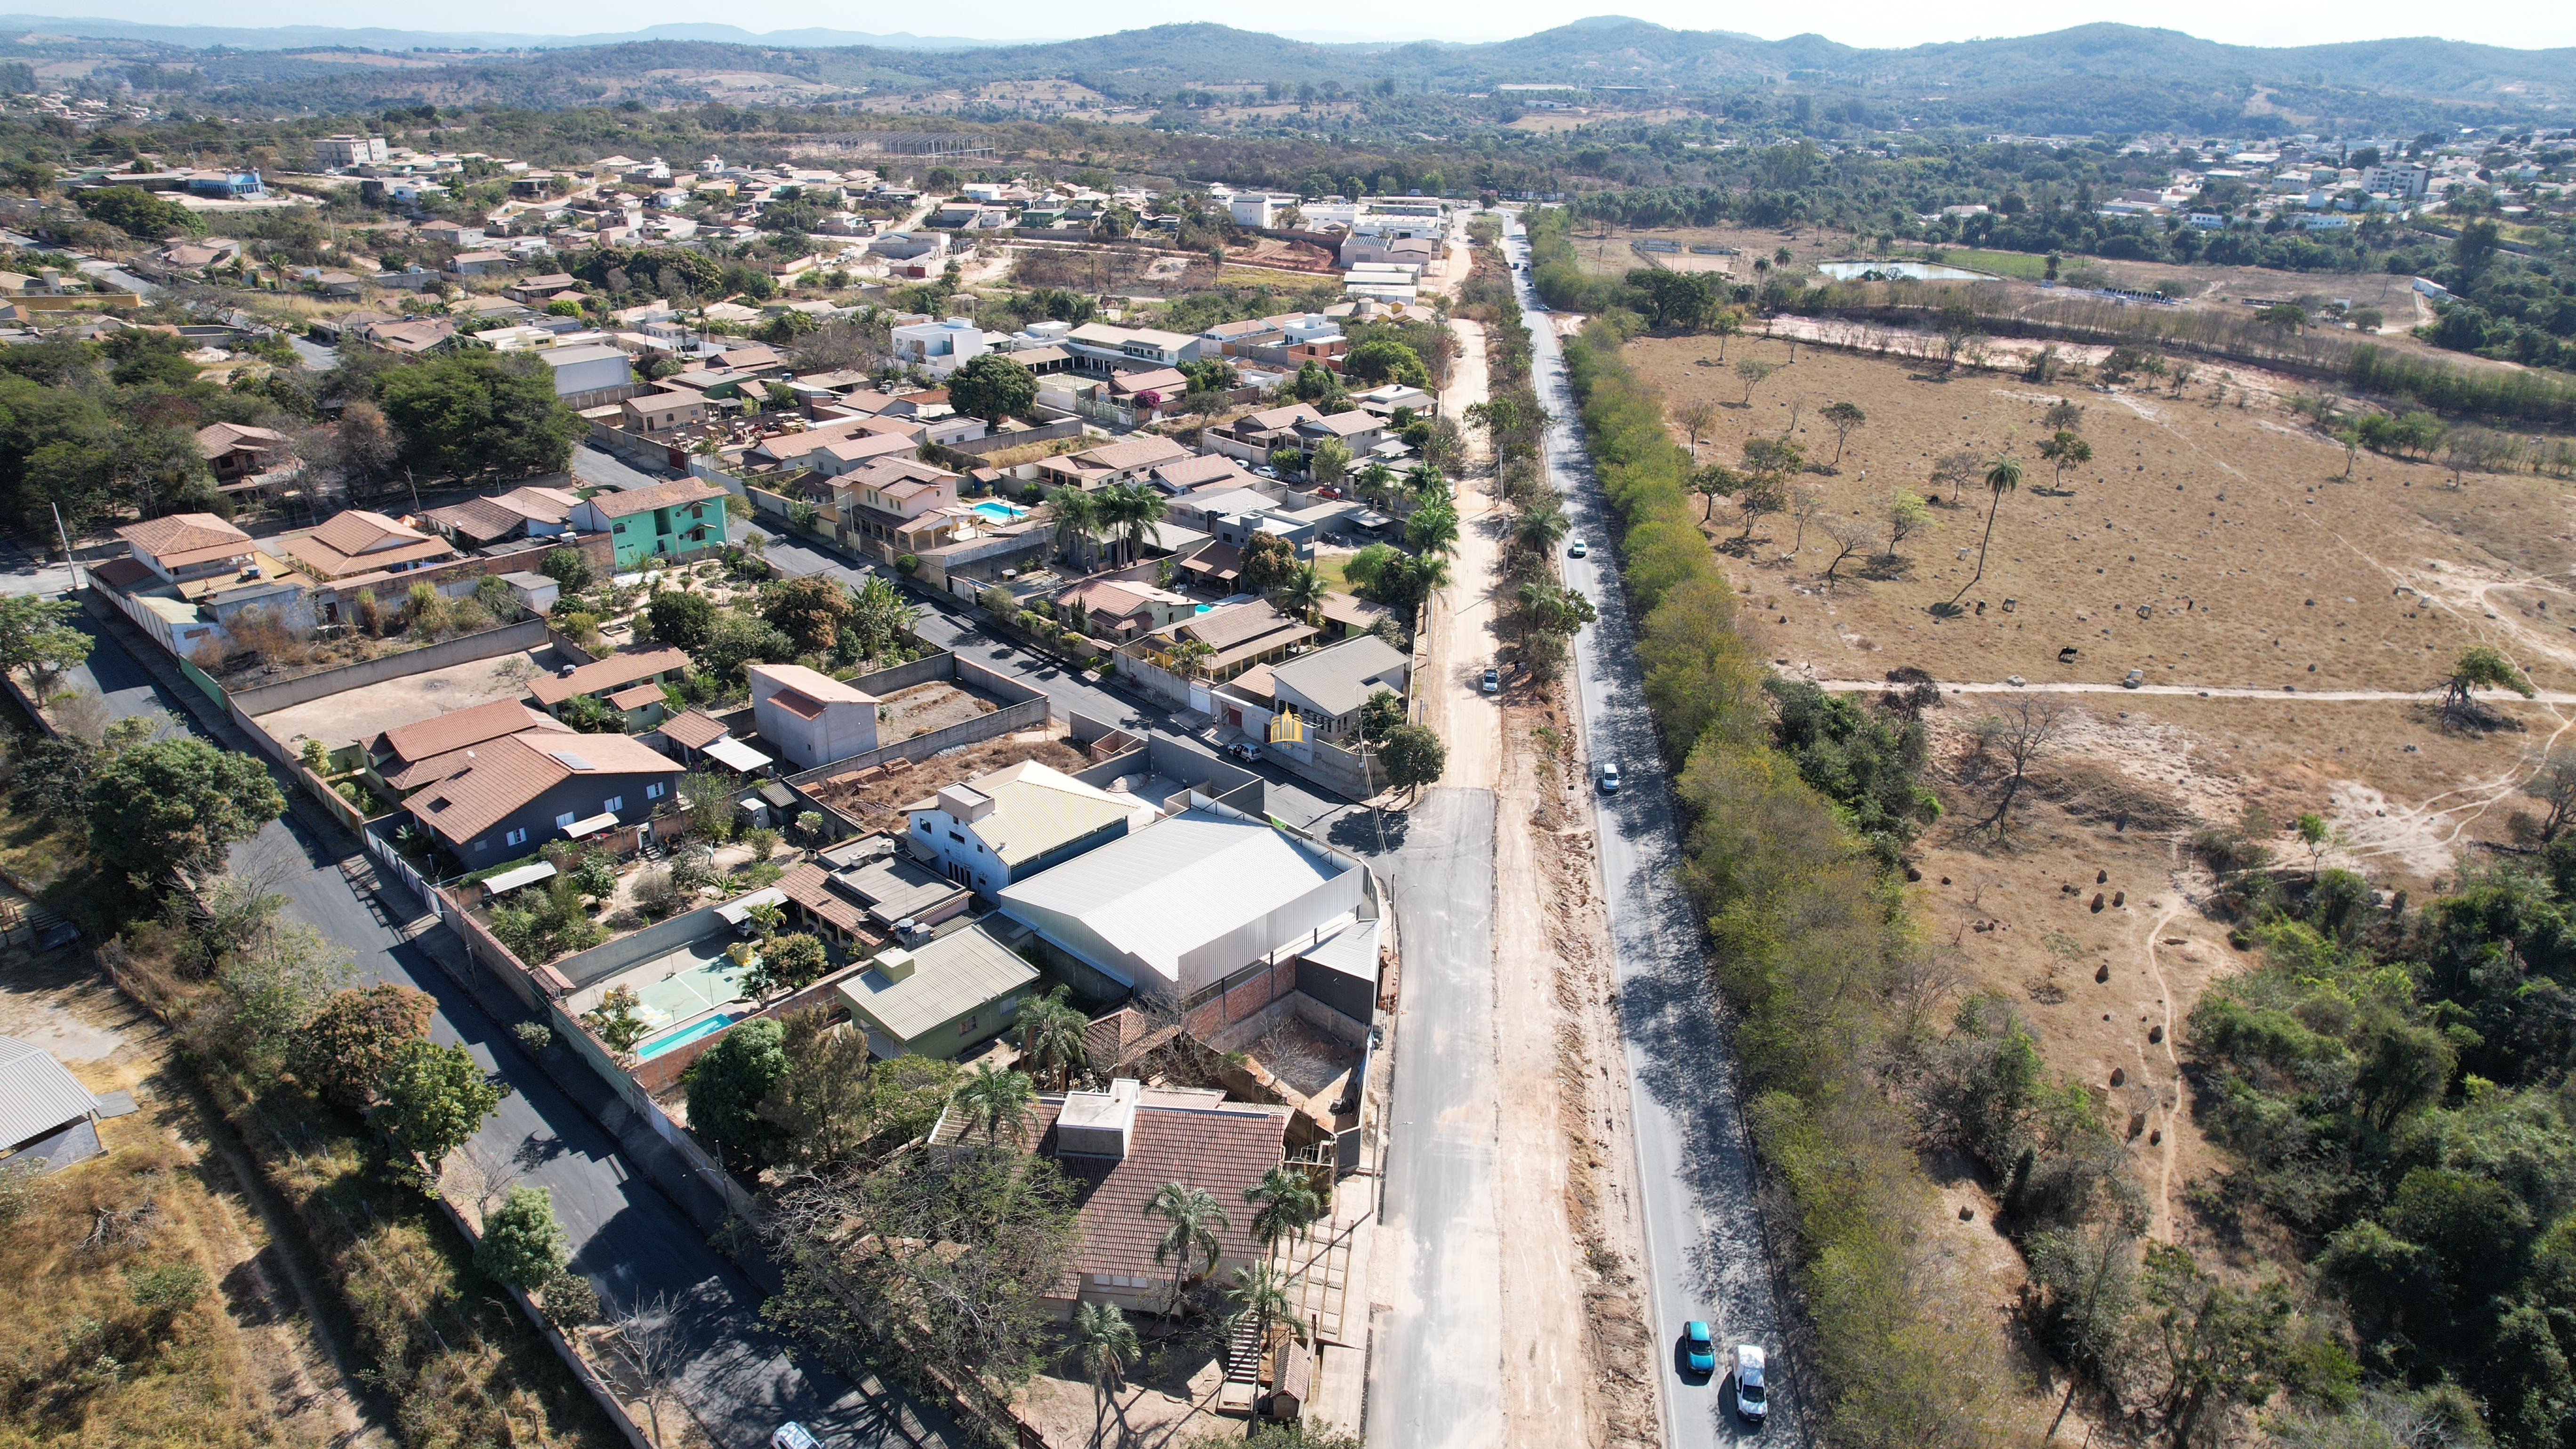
(1173, 908)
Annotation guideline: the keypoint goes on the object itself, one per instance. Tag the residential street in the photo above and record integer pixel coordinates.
(1704, 1250)
(626, 1238)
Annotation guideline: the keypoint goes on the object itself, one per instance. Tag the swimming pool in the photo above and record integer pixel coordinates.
(1000, 512)
(703, 1026)
(1917, 271)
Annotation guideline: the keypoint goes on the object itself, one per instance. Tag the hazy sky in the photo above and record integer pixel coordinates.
(2519, 23)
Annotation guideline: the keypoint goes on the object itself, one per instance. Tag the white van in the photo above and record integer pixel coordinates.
(1752, 1397)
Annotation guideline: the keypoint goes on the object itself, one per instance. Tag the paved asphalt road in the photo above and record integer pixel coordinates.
(626, 1238)
(590, 465)
(1704, 1255)
(1435, 1358)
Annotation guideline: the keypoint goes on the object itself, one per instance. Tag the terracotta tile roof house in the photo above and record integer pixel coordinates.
(1166, 381)
(694, 729)
(360, 542)
(1121, 608)
(522, 790)
(1242, 635)
(412, 755)
(236, 449)
(607, 675)
(185, 545)
(529, 509)
(1200, 471)
(1111, 463)
(1119, 1148)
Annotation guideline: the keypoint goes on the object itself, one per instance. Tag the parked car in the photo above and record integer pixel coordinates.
(1752, 1401)
(1578, 548)
(1493, 683)
(1243, 752)
(1699, 1349)
(792, 1435)
(1610, 777)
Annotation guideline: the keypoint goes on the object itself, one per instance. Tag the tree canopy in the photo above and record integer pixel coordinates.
(479, 412)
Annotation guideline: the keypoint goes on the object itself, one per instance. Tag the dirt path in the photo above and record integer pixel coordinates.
(2215, 691)
(2169, 1103)
(1461, 616)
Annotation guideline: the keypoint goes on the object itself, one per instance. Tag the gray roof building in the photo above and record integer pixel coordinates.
(938, 999)
(39, 1101)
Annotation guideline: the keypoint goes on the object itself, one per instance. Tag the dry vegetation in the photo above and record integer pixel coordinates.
(2214, 541)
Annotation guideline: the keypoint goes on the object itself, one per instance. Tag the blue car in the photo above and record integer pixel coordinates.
(1699, 1348)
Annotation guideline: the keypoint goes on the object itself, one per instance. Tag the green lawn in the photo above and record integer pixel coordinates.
(2028, 266)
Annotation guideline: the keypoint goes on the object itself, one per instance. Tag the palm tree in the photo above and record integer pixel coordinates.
(1539, 529)
(1376, 483)
(1304, 590)
(996, 1099)
(1259, 1293)
(1191, 1217)
(1433, 529)
(1103, 1344)
(1051, 1034)
(1191, 653)
(1128, 513)
(1424, 483)
(1077, 521)
(2003, 475)
(1289, 1204)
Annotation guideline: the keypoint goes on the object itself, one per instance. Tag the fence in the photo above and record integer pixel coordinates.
(464, 649)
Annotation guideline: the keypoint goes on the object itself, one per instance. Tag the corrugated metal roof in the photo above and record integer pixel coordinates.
(1352, 951)
(951, 976)
(37, 1094)
(1160, 892)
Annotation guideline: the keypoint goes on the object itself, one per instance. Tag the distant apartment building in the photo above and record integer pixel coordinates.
(333, 152)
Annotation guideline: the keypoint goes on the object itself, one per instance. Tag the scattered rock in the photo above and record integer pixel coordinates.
(2097, 903)
(2119, 1076)
(2101, 876)
(2155, 1034)
(2137, 1124)
(2119, 898)
(2102, 973)
(1967, 1214)
(1911, 873)
(2156, 1138)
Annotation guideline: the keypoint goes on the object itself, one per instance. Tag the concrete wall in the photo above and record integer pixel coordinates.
(1027, 708)
(589, 968)
(464, 649)
(904, 676)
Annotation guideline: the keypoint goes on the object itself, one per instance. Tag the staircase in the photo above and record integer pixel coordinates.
(1242, 1369)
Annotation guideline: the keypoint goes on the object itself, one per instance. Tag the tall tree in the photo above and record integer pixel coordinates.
(1288, 1204)
(1052, 1035)
(727, 1084)
(177, 804)
(522, 1244)
(992, 387)
(997, 1101)
(35, 638)
(344, 1050)
(2064, 450)
(1845, 418)
(434, 1098)
(1102, 1344)
(478, 412)
(2003, 475)
(1191, 1220)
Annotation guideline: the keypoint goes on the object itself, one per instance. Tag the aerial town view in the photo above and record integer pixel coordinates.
(1063, 731)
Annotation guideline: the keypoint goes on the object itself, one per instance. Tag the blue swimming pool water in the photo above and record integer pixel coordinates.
(999, 511)
(682, 1036)
(1203, 608)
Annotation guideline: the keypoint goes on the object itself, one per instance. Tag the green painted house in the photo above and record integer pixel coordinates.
(673, 520)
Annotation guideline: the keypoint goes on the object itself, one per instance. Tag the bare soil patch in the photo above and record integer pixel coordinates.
(877, 802)
(926, 707)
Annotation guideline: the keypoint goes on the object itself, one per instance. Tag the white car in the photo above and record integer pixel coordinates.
(792, 1435)
(1752, 1398)
(1578, 548)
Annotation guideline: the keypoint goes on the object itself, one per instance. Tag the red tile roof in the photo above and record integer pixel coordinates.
(1222, 1146)
(660, 495)
(614, 672)
(413, 743)
(695, 729)
(508, 773)
(185, 538)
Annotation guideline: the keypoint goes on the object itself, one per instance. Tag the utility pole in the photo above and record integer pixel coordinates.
(65, 535)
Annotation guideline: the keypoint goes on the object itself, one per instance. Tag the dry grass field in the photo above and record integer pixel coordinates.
(2215, 542)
